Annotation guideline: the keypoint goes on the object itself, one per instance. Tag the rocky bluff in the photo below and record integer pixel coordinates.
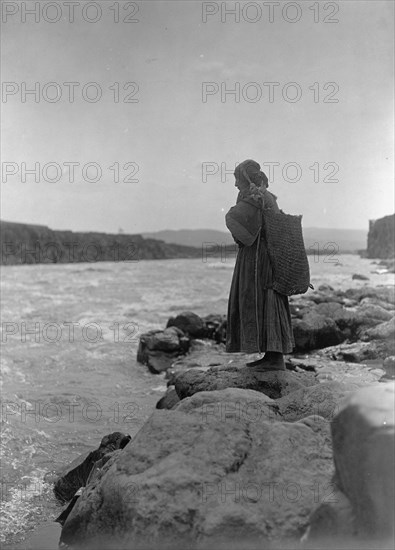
(381, 238)
(36, 244)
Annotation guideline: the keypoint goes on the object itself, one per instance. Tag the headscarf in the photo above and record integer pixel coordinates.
(246, 169)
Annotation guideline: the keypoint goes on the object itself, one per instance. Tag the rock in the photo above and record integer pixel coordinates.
(359, 375)
(359, 277)
(330, 323)
(383, 331)
(375, 311)
(389, 367)
(375, 300)
(381, 238)
(333, 519)
(158, 349)
(357, 352)
(382, 293)
(272, 383)
(326, 288)
(160, 361)
(169, 400)
(202, 355)
(364, 445)
(189, 323)
(389, 265)
(315, 331)
(320, 400)
(190, 482)
(215, 327)
(73, 477)
(166, 340)
(319, 297)
(231, 402)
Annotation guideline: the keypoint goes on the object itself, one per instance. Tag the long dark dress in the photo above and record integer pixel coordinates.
(258, 317)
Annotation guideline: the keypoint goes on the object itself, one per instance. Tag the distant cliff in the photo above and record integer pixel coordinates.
(31, 244)
(381, 238)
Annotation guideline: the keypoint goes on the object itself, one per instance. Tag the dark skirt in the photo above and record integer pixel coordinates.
(259, 319)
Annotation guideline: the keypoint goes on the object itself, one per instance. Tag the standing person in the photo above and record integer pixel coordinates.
(259, 319)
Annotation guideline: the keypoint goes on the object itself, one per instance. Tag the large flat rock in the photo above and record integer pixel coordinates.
(201, 482)
(274, 384)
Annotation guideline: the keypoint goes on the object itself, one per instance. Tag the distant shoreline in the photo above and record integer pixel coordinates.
(27, 244)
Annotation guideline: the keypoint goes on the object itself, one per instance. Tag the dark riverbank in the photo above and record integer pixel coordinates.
(35, 244)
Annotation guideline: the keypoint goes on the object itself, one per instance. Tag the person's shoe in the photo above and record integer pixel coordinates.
(256, 362)
(271, 361)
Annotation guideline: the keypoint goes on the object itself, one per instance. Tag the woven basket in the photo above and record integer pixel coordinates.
(284, 241)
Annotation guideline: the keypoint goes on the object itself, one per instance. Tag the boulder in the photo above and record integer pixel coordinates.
(158, 349)
(382, 331)
(356, 352)
(330, 323)
(383, 293)
(314, 331)
(359, 375)
(74, 476)
(363, 434)
(272, 383)
(322, 400)
(231, 402)
(169, 400)
(166, 340)
(375, 312)
(203, 354)
(375, 300)
(215, 327)
(189, 323)
(193, 482)
(332, 521)
(161, 361)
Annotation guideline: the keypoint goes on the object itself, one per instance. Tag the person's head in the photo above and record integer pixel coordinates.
(247, 172)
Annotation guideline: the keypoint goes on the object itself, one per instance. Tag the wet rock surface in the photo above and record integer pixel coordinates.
(74, 476)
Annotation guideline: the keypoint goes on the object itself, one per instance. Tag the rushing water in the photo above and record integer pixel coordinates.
(69, 374)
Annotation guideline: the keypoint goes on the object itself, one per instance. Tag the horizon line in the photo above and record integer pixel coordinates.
(124, 232)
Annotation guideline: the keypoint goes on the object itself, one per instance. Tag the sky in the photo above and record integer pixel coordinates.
(155, 139)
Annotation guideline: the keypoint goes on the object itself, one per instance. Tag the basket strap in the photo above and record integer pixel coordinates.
(256, 289)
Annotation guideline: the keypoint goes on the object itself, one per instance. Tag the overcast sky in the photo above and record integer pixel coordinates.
(171, 132)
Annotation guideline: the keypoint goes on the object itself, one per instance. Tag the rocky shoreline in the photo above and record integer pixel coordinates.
(238, 458)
